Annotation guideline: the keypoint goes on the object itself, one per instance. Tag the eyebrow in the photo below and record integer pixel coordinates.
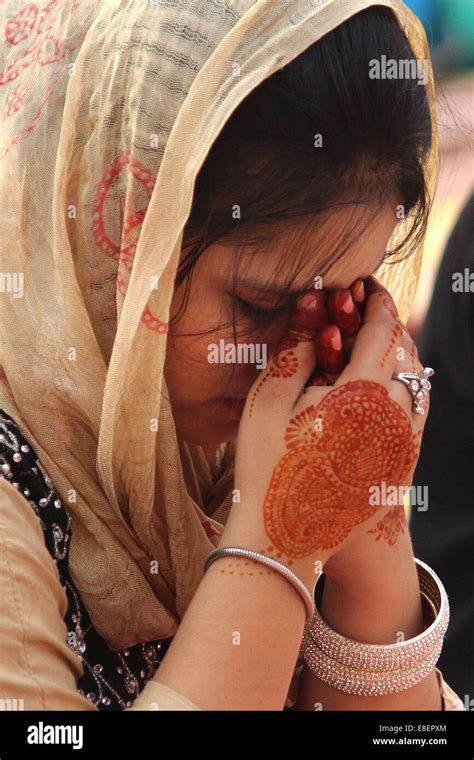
(273, 289)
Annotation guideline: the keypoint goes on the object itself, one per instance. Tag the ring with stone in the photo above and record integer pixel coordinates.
(418, 385)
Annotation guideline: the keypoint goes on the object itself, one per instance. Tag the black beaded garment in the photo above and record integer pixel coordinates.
(111, 680)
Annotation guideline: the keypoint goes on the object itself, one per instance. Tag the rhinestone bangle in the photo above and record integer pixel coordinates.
(270, 562)
(366, 683)
(359, 668)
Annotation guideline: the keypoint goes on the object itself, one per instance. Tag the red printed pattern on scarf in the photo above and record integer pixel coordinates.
(31, 30)
(124, 253)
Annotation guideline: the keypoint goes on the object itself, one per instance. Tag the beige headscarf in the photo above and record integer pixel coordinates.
(108, 109)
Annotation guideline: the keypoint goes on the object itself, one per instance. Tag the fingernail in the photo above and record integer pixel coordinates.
(347, 304)
(357, 291)
(335, 339)
(343, 312)
(331, 358)
(389, 304)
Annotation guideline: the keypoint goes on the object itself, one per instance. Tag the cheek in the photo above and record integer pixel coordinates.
(191, 377)
(187, 361)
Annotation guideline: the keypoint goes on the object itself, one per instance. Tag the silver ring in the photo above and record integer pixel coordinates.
(418, 385)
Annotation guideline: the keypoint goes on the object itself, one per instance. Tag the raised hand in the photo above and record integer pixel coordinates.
(307, 457)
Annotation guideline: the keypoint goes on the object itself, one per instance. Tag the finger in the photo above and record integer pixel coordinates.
(331, 378)
(347, 344)
(372, 285)
(294, 359)
(357, 290)
(373, 353)
(317, 379)
(343, 312)
(329, 350)
(308, 315)
(408, 361)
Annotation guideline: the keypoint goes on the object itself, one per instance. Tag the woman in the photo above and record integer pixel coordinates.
(114, 415)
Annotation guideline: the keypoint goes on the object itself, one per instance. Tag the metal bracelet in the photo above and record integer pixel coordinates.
(366, 683)
(270, 562)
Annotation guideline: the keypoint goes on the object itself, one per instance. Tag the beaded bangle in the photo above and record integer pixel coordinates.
(366, 683)
(376, 669)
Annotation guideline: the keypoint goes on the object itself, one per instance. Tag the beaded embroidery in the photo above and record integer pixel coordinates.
(111, 680)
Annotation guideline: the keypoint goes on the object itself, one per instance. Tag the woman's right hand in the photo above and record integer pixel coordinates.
(305, 460)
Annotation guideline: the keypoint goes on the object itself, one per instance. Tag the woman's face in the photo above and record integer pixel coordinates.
(207, 379)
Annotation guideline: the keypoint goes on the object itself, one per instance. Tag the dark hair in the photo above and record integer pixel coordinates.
(376, 135)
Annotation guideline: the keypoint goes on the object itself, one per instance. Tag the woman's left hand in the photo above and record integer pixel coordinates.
(358, 559)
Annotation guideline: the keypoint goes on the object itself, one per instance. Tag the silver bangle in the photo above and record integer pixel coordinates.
(270, 562)
(376, 669)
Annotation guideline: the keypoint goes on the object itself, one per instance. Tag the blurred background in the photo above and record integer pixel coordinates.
(443, 325)
(449, 26)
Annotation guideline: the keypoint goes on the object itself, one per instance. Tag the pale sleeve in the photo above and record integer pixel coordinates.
(38, 671)
(451, 701)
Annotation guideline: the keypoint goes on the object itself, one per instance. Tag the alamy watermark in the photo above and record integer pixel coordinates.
(403, 68)
(238, 353)
(11, 704)
(463, 282)
(391, 496)
(12, 282)
(46, 734)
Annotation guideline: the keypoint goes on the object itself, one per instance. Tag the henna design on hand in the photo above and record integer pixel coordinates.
(311, 319)
(320, 488)
(397, 332)
(390, 526)
(305, 320)
(284, 364)
(417, 444)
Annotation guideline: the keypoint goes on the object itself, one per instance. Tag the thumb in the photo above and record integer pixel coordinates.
(294, 359)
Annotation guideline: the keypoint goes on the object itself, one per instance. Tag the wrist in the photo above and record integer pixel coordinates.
(381, 610)
(368, 564)
(249, 533)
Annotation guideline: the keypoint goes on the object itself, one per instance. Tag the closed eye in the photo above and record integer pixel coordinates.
(257, 313)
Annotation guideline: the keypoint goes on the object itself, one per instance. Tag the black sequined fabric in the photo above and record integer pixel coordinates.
(111, 680)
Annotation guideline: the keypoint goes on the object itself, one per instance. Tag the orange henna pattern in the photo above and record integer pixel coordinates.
(396, 333)
(417, 443)
(390, 526)
(284, 363)
(240, 566)
(320, 488)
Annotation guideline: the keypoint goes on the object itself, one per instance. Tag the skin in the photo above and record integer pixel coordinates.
(195, 386)
(390, 526)
(320, 488)
(316, 492)
(365, 561)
